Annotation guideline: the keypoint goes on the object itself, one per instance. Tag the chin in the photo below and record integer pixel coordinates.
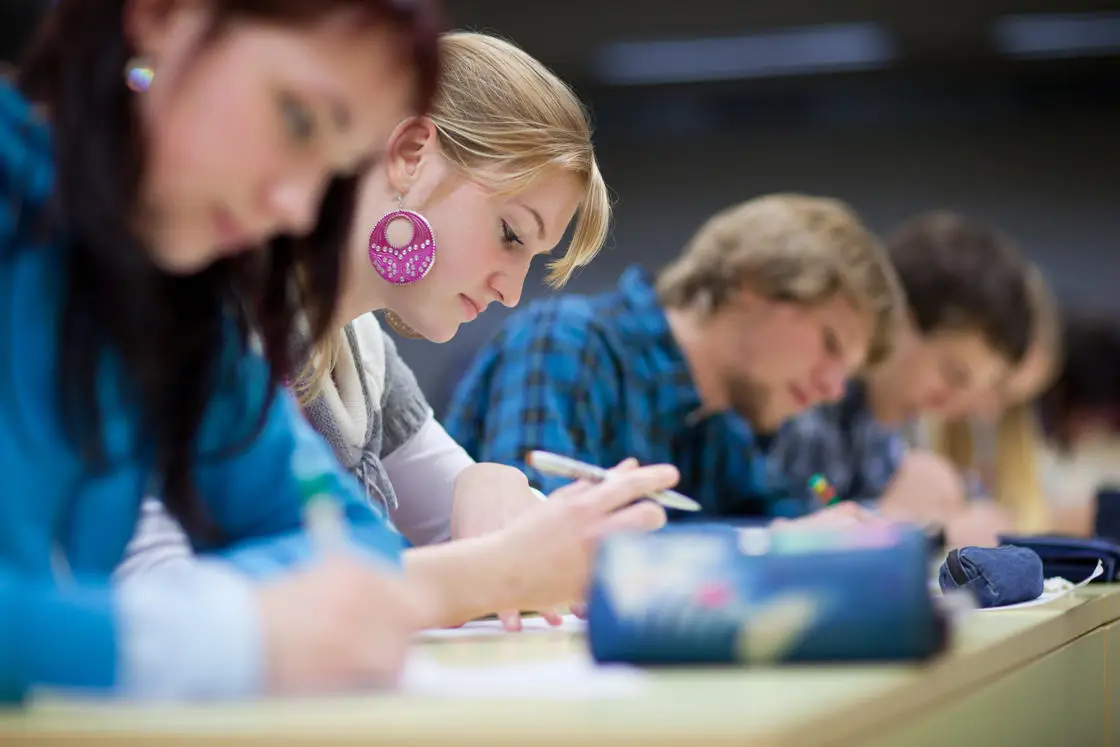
(183, 259)
(439, 333)
(184, 264)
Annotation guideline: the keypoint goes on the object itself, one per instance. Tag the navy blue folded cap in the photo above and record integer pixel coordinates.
(996, 576)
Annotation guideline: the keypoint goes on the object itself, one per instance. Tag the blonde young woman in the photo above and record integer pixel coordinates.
(449, 220)
(994, 439)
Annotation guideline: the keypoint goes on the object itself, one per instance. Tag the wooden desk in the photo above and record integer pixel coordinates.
(1023, 678)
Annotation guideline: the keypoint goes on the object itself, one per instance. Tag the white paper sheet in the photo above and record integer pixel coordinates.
(1055, 591)
(568, 677)
(529, 625)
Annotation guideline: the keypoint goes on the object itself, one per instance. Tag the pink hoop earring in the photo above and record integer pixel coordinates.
(407, 264)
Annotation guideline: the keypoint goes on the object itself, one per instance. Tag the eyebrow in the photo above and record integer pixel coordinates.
(536, 217)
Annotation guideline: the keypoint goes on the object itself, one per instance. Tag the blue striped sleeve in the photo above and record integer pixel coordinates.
(548, 381)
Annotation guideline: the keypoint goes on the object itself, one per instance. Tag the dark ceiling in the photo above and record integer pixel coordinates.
(567, 34)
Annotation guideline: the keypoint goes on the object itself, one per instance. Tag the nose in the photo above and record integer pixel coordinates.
(832, 381)
(508, 285)
(294, 203)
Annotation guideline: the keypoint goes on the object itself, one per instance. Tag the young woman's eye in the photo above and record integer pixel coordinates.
(299, 120)
(509, 237)
(830, 341)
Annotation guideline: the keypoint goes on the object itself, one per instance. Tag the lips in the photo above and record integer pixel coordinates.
(231, 233)
(471, 308)
(799, 397)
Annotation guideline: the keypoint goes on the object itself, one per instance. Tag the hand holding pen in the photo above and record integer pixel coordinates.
(561, 466)
(342, 621)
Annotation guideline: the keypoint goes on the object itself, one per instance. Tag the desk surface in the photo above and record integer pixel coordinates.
(777, 706)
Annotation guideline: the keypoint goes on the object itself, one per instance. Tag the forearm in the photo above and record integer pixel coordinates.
(469, 578)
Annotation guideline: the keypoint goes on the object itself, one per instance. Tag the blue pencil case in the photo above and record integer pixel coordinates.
(712, 594)
(995, 576)
(1071, 558)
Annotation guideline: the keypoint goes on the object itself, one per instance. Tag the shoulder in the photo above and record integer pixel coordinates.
(26, 163)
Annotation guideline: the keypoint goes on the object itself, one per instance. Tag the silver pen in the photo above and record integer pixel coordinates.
(562, 466)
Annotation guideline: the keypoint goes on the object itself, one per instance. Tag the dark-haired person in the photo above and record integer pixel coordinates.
(969, 323)
(482, 191)
(169, 170)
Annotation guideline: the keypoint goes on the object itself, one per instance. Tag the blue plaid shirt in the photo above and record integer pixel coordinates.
(841, 441)
(601, 378)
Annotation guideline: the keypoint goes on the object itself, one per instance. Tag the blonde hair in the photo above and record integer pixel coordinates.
(788, 247)
(1015, 472)
(505, 120)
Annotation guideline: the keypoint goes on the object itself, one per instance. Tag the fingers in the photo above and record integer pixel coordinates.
(579, 610)
(572, 489)
(580, 486)
(511, 621)
(626, 486)
(643, 516)
(553, 618)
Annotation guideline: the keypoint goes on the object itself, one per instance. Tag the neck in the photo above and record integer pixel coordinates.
(695, 339)
(361, 289)
(881, 396)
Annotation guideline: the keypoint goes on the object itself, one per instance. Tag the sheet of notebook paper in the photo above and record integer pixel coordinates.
(1054, 588)
(529, 626)
(550, 671)
(569, 677)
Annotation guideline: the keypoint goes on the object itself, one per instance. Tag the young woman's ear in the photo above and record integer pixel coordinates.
(411, 145)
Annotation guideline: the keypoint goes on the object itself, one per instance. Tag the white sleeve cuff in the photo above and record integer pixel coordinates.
(423, 472)
(189, 631)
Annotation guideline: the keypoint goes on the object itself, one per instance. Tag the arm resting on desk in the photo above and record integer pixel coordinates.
(54, 637)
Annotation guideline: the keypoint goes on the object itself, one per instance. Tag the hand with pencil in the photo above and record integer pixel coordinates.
(487, 498)
(550, 550)
(344, 621)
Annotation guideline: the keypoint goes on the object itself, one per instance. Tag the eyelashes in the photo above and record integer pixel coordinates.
(299, 120)
(509, 236)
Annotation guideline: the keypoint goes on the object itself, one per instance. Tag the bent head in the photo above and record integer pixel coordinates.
(969, 322)
(499, 168)
(795, 296)
(254, 107)
(243, 119)
(1039, 365)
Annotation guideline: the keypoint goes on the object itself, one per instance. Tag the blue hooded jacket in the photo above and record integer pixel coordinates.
(61, 630)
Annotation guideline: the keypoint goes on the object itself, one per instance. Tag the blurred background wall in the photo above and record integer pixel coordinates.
(1008, 110)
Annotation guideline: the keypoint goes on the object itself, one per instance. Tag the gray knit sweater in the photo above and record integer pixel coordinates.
(369, 407)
